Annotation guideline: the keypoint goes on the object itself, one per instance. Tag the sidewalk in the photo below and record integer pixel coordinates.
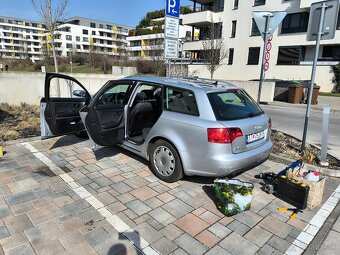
(334, 102)
(60, 197)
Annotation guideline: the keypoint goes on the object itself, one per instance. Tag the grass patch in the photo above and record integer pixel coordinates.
(63, 68)
(329, 94)
(18, 121)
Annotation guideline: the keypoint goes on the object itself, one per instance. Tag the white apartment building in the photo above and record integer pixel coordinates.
(291, 55)
(151, 46)
(22, 39)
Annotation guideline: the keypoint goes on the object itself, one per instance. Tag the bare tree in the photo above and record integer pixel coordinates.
(214, 48)
(51, 13)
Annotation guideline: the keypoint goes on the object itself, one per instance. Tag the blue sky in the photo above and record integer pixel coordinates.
(125, 12)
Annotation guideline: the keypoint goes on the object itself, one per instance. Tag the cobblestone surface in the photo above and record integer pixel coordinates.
(41, 214)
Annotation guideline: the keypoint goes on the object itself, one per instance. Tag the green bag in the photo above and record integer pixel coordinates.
(233, 196)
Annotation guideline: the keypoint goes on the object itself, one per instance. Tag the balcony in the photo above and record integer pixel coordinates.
(194, 45)
(202, 18)
(307, 3)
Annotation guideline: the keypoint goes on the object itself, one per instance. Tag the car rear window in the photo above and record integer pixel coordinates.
(233, 105)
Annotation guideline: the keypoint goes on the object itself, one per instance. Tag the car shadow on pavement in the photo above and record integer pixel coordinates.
(104, 152)
(66, 141)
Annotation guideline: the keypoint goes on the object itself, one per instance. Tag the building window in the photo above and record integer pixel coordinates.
(290, 55)
(235, 4)
(259, 2)
(231, 56)
(93, 25)
(254, 29)
(295, 23)
(93, 32)
(101, 26)
(253, 55)
(85, 32)
(206, 33)
(2, 20)
(78, 47)
(109, 27)
(233, 29)
(69, 37)
(78, 38)
(331, 53)
(85, 39)
(68, 45)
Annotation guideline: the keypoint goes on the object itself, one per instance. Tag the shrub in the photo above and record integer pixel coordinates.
(336, 72)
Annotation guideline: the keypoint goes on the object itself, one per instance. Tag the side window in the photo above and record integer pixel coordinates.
(182, 101)
(64, 88)
(113, 95)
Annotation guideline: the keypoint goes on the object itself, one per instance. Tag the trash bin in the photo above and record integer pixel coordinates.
(295, 93)
(315, 94)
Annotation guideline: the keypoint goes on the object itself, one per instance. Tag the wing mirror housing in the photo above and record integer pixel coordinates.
(79, 93)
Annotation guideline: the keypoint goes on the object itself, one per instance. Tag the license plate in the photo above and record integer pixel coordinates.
(254, 137)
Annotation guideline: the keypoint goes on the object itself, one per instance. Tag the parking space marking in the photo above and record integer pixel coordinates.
(309, 232)
(139, 242)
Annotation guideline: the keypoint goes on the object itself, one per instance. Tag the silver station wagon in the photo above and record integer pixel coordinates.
(183, 126)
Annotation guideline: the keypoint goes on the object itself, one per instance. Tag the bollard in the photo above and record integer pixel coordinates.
(325, 125)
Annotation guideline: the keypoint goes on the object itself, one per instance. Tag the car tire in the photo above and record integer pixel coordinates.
(165, 161)
(82, 134)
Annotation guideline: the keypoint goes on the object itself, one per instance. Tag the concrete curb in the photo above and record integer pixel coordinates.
(324, 171)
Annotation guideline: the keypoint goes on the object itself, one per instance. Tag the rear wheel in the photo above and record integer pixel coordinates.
(165, 161)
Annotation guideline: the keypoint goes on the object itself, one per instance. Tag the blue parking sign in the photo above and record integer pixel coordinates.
(172, 8)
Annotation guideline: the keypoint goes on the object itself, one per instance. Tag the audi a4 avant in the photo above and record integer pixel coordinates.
(182, 126)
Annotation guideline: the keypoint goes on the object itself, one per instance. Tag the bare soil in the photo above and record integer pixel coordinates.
(18, 122)
(288, 146)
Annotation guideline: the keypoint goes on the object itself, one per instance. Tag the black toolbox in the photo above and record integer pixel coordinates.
(293, 192)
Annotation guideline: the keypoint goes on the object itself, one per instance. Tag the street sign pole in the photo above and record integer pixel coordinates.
(171, 31)
(169, 68)
(311, 86)
(263, 55)
(267, 23)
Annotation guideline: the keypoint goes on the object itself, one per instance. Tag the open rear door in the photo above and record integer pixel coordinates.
(59, 109)
(104, 116)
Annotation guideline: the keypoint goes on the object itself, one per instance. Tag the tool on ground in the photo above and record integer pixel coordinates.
(295, 211)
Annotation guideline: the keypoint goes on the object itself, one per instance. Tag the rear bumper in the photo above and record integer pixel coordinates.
(218, 165)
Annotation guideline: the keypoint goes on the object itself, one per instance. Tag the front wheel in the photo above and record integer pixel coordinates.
(165, 161)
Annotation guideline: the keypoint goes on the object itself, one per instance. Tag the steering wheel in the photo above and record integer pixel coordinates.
(119, 96)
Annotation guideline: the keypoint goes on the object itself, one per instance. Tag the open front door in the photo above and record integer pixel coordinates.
(104, 117)
(59, 109)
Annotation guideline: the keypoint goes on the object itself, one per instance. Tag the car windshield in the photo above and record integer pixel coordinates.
(233, 104)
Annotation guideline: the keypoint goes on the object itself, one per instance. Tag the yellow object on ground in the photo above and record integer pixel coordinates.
(294, 210)
(1, 152)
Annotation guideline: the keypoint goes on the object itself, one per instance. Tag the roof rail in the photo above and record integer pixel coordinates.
(204, 81)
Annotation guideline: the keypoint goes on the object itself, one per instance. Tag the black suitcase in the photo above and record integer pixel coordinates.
(293, 192)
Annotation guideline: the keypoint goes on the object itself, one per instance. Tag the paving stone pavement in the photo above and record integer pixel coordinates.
(42, 214)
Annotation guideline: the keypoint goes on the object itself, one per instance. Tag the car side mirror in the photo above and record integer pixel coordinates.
(79, 93)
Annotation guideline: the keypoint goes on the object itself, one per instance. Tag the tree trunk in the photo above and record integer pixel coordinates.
(55, 64)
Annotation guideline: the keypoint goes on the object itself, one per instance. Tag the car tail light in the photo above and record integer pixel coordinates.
(270, 123)
(223, 135)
